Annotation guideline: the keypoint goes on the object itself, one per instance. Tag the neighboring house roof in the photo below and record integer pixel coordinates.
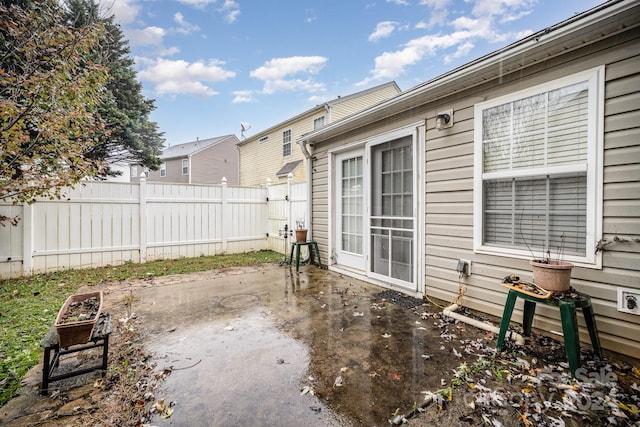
(288, 168)
(322, 107)
(539, 47)
(190, 148)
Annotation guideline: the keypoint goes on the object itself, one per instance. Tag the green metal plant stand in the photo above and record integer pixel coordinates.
(568, 317)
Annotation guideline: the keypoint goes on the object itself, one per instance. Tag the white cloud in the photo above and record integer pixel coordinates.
(462, 51)
(182, 77)
(400, 2)
(278, 73)
(383, 30)
(481, 25)
(231, 9)
(199, 4)
(150, 36)
(184, 26)
(435, 4)
(501, 7)
(124, 11)
(243, 96)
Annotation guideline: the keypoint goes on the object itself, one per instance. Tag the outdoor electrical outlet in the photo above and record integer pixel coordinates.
(629, 300)
(464, 267)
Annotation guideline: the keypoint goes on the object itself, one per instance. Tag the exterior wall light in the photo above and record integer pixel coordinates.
(444, 119)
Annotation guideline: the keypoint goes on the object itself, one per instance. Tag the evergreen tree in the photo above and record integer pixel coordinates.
(129, 134)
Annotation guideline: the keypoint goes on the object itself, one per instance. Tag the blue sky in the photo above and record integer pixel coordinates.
(213, 64)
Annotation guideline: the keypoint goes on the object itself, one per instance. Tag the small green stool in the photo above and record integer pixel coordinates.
(568, 317)
(312, 245)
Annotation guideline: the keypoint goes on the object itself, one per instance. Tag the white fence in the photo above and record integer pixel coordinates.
(110, 223)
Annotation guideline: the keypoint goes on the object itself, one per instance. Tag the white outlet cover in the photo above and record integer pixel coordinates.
(622, 300)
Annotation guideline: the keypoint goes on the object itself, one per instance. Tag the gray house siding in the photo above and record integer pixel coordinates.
(174, 172)
(449, 196)
(213, 163)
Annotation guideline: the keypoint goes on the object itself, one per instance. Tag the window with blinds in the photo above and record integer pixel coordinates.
(536, 169)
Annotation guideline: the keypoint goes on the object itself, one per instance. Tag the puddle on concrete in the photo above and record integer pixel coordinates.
(243, 347)
(241, 371)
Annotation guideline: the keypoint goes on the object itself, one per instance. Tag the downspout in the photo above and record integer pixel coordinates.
(451, 312)
(189, 159)
(309, 164)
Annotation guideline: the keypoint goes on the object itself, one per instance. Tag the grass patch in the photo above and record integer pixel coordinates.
(29, 305)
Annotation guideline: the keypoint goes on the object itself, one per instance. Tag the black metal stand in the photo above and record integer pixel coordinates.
(99, 338)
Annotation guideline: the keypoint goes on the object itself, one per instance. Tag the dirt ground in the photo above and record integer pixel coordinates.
(414, 367)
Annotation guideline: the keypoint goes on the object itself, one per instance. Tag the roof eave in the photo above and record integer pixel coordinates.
(434, 88)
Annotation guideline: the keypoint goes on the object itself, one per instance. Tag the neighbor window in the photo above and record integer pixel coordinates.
(536, 170)
(134, 171)
(286, 143)
(318, 123)
(163, 169)
(185, 166)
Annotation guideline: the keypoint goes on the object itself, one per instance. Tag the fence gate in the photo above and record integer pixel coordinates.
(287, 205)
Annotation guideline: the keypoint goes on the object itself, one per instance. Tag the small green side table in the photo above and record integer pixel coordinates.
(313, 247)
(567, 315)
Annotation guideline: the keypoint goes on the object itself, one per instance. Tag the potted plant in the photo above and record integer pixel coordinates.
(301, 231)
(77, 318)
(551, 274)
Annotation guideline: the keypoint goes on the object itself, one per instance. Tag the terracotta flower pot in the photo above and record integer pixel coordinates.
(77, 318)
(553, 276)
(301, 236)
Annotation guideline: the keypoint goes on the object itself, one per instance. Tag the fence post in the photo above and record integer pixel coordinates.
(143, 218)
(27, 239)
(288, 200)
(226, 216)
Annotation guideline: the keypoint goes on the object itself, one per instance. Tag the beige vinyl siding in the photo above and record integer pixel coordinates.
(353, 105)
(449, 216)
(449, 167)
(262, 160)
(213, 163)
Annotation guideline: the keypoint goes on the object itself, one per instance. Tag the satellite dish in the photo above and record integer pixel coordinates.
(243, 128)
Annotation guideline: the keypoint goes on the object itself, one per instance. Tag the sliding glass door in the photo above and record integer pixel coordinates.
(392, 218)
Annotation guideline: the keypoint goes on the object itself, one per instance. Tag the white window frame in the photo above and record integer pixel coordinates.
(163, 169)
(185, 166)
(134, 171)
(286, 142)
(318, 122)
(594, 167)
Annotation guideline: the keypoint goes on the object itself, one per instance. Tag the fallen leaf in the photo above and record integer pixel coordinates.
(338, 381)
(98, 383)
(395, 376)
(345, 369)
(168, 413)
(307, 389)
(160, 405)
(632, 409)
(385, 335)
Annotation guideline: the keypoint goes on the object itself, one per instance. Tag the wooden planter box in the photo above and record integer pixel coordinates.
(78, 331)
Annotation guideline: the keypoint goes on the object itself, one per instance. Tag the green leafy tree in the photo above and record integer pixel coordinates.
(129, 134)
(50, 94)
